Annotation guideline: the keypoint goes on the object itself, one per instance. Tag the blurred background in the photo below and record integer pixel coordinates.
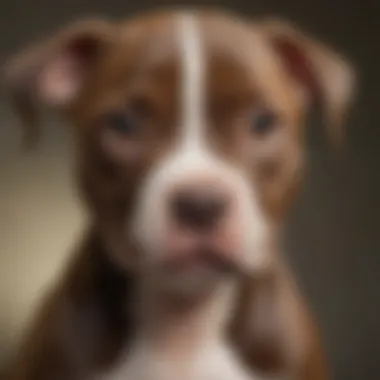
(333, 239)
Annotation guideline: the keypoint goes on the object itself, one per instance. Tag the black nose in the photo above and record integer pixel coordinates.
(197, 209)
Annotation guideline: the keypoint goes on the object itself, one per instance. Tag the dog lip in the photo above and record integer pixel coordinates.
(201, 255)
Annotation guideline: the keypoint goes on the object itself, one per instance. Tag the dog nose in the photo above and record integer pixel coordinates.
(198, 209)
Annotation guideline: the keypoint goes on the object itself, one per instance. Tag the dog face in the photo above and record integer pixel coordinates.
(188, 132)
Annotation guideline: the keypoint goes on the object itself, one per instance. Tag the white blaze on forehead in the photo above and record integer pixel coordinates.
(192, 78)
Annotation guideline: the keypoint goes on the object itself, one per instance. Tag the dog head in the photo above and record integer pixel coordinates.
(188, 128)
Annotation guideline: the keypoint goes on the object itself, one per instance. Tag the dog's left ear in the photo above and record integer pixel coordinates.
(325, 77)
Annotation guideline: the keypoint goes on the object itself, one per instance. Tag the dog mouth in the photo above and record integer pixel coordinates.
(201, 256)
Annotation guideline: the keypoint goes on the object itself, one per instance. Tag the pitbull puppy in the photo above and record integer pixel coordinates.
(188, 128)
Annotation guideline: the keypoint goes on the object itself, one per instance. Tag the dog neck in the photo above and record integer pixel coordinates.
(180, 327)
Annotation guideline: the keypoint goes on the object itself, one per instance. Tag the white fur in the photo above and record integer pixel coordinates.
(193, 160)
(210, 363)
(199, 351)
(193, 70)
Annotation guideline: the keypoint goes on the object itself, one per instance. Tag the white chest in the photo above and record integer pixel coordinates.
(215, 362)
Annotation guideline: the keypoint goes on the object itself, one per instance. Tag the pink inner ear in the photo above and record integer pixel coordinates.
(297, 63)
(60, 80)
(62, 77)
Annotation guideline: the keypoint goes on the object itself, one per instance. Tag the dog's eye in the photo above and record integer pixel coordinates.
(263, 122)
(121, 123)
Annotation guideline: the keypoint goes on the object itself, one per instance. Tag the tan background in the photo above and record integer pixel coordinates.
(39, 221)
(333, 241)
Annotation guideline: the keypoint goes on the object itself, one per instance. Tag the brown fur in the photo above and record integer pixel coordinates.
(82, 324)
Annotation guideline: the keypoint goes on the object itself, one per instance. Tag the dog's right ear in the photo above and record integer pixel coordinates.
(52, 73)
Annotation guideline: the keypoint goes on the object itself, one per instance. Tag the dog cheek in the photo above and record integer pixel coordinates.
(256, 239)
(280, 187)
(108, 193)
(250, 225)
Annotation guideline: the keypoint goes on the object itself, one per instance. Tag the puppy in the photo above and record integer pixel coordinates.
(188, 128)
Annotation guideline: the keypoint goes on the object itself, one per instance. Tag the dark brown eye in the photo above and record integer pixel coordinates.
(121, 123)
(263, 122)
